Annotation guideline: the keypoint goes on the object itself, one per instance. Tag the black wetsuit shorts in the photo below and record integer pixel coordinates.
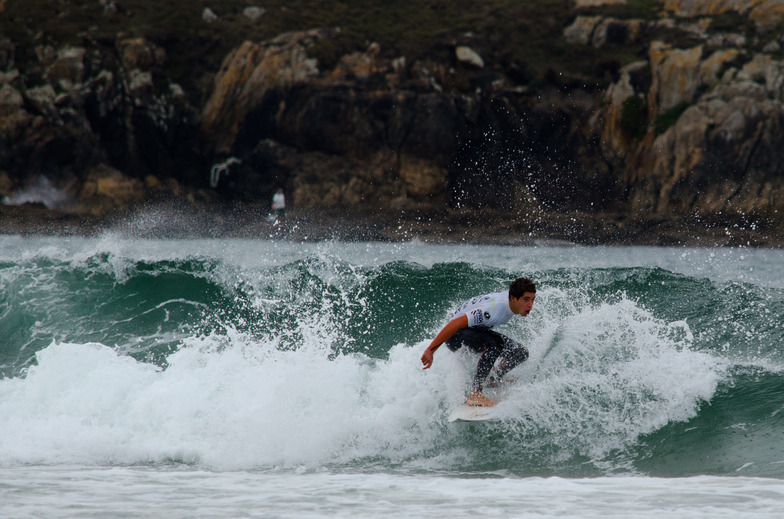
(490, 345)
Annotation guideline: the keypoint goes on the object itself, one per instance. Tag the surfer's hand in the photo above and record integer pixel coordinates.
(427, 358)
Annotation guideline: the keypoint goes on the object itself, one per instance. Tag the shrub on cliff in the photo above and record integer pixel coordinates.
(634, 117)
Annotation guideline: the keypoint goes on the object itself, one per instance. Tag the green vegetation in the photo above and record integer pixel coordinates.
(732, 21)
(509, 34)
(644, 9)
(521, 39)
(668, 118)
(634, 117)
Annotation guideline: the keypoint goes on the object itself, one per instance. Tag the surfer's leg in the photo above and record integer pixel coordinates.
(489, 345)
(513, 354)
(485, 366)
(472, 338)
(483, 369)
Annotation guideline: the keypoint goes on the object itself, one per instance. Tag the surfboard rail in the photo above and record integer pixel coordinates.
(472, 413)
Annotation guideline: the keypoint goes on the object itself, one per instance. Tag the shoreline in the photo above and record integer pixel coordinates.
(248, 221)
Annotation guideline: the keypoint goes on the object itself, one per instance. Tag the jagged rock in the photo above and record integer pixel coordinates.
(176, 92)
(599, 30)
(7, 50)
(423, 180)
(208, 15)
(140, 84)
(469, 55)
(106, 189)
(84, 114)
(13, 117)
(713, 64)
(691, 8)
(327, 181)
(767, 14)
(581, 30)
(361, 65)
(109, 7)
(11, 100)
(740, 88)
(424, 76)
(9, 77)
(724, 153)
(726, 40)
(676, 75)
(248, 74)
(6, 184)
(371, 131)
(619, 32)
(253, 12)
(351, 136)
(68, 68)
(721, 156)
(43, 99)
(138, 53)
(614, 138)
(597, 3)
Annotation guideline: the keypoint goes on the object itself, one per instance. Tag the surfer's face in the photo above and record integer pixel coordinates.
(522, 305)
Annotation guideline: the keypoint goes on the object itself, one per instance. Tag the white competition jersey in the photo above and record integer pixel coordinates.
(486, 311)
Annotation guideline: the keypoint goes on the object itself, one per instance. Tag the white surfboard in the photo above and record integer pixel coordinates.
(473, 413)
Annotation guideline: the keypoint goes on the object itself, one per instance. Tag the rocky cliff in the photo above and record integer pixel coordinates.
(631, 112)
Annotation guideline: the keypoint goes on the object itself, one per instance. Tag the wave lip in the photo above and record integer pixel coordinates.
(122, 358)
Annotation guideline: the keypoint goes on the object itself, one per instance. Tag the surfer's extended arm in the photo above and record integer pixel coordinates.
(458, 323)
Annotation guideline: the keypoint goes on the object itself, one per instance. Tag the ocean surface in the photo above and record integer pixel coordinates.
(261, 378)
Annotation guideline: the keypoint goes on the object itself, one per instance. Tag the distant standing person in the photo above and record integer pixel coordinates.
(279, 204)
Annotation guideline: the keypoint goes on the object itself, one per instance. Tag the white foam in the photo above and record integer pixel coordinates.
(598, 378)
(222, 401)
(76, 492)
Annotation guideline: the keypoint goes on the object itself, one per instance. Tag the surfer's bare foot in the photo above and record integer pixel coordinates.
(478, 399)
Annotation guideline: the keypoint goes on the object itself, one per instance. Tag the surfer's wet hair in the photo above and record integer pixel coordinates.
(520, 286)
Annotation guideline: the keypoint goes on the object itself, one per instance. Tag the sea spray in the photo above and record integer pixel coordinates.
(234, 407)
(266, 356)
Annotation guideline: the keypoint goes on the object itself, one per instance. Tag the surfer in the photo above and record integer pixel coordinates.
(471, 326)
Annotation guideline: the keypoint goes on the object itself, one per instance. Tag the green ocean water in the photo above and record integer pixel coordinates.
(263, 355)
